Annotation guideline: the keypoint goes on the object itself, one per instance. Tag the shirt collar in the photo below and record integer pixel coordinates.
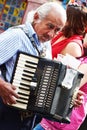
(32, 33)
(36, 39)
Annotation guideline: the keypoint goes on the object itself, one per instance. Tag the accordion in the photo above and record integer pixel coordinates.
(45, 86)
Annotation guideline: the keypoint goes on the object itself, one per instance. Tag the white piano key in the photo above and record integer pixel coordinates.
(21, 100)
(19, 76)
(26, 63)
(21, 82)
(22, 71)
(24, 91)
(26, 68)
(24, 82)
(20, 105)
(22, 86)
(30, 58)
(24, 96)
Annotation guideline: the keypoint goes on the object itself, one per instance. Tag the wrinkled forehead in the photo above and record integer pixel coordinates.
(55, 19)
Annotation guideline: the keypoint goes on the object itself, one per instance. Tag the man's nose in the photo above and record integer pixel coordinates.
(51, 33)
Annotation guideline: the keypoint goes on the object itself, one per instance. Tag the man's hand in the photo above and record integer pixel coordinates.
(7, 92)
(79, 99)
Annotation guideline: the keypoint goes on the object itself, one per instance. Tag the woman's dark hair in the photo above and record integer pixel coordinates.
(76, 21)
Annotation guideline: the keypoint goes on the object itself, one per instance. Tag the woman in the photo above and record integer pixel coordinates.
(70, 40)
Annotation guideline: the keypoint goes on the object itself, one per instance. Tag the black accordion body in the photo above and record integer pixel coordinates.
(45, 86)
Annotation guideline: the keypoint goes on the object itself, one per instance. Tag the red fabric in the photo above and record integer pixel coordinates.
(57, 48)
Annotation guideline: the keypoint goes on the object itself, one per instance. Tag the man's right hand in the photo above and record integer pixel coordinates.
(7, 92)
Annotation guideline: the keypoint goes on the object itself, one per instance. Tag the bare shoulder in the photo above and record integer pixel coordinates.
(73, 48)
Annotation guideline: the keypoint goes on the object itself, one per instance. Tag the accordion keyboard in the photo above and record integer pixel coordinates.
(22, 79)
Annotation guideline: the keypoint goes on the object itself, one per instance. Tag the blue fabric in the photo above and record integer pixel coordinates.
(38, 127)
(64, 4)
(12, 41)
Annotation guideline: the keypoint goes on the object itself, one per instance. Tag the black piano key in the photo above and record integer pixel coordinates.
(25, 79)
(27, 85)
(23, 97)
(22, 102)
(32, 63)
(29, 72)
(23, 88)
(32, 67)
(27, 75)
(20, 93)
(28, 58)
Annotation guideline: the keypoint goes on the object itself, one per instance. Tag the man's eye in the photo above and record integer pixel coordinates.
(50, 26)
(57, 29)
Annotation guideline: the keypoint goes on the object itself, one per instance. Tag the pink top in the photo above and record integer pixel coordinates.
(77, 117)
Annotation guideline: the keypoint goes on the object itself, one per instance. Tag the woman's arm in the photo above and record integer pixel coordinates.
(73, 49)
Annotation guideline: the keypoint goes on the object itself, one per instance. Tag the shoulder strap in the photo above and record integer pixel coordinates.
(41, 53)
(3, 71)
(31, 38)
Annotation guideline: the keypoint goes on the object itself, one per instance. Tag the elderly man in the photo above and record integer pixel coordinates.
(41, 27)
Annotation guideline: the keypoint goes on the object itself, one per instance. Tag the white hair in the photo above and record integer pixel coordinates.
(30, 16)
(44, 10)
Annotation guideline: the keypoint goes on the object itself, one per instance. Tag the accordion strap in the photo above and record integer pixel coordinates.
(33, 42)
(31, 38)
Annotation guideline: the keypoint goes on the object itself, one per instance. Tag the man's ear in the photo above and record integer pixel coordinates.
(36, 16)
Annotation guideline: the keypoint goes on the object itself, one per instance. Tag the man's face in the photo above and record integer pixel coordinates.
(47, 28)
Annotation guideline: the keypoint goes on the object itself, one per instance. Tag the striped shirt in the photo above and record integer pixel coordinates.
(12, 41)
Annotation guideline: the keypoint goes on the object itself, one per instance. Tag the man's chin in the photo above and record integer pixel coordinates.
(44, 40)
